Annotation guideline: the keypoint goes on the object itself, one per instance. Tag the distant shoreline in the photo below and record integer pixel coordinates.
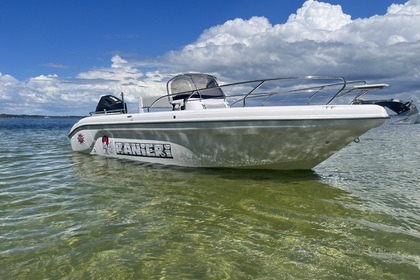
(37, 116)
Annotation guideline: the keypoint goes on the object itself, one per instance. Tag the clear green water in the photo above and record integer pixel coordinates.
(71, 216)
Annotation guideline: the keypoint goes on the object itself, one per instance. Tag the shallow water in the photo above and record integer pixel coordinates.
(73, 216)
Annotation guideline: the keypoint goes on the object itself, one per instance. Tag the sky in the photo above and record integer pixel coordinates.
(59, 57)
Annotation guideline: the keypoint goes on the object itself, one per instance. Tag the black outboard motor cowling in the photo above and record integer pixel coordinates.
(110, 103)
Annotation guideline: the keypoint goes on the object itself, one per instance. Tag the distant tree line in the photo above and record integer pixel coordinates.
(35, 116)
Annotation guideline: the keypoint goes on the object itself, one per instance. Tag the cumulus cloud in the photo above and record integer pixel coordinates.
(318, 16)
(78, 95)
(411, 7)
(7, 84)
(320, 38)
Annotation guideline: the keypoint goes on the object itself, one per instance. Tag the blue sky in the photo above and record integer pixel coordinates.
(53, 51)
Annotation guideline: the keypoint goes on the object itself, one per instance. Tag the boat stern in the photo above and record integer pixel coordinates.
(82, 139)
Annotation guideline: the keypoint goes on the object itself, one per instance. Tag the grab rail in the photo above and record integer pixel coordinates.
(340, 88)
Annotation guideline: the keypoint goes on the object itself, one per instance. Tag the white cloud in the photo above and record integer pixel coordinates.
(319, 38)
(316, 15)
(233, 32)
(78, 96)
(56, 65)
(412, 7)
(7, 84)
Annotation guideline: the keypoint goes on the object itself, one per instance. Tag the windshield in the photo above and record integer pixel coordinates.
(195, 85)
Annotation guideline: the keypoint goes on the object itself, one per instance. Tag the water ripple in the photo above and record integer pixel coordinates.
(73, 216)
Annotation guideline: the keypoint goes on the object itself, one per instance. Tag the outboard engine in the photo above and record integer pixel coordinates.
(110, 103)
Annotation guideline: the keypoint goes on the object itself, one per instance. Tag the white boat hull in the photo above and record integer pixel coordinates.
(289, 137)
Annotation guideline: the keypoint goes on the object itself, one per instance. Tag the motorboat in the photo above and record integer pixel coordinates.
(397, 106)
(410, 117)
(279, 123)
(407, 110)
